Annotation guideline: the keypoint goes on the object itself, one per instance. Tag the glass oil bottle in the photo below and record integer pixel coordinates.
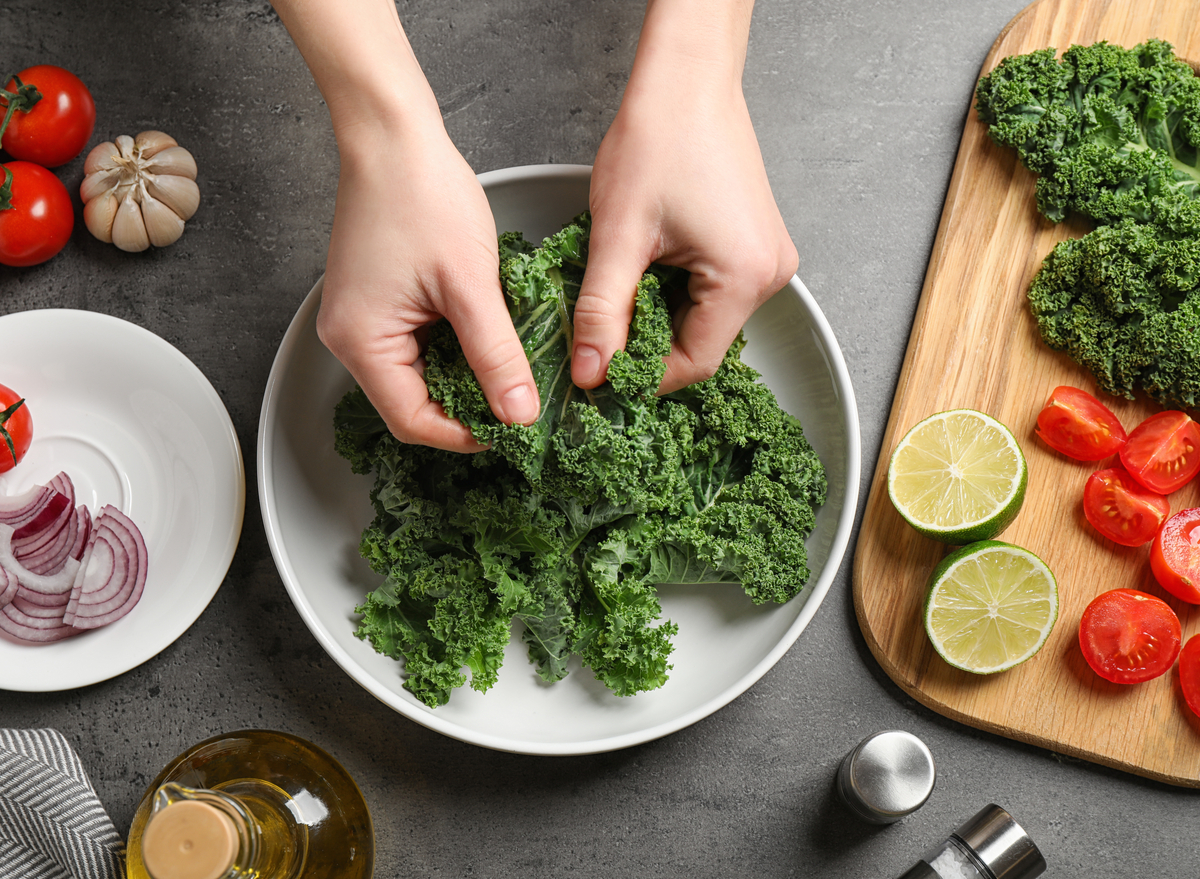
(252, 805)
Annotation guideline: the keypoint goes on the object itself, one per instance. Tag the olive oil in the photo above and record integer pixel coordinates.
(295, 811)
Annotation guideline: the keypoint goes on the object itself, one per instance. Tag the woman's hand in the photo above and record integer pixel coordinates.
(679, 180)
(414, 241)
(413, 237)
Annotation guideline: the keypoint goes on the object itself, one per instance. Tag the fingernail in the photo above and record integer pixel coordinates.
(520, 405)
(585, 365)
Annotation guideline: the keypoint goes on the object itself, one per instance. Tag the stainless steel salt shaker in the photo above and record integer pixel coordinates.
(989, 846)
(888, 775)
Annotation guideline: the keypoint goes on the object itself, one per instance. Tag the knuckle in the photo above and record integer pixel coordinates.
(400, 431)
(343, 319)
(690, 370)
(331, 329)
(594, 307)
(471, 274)
(595, 314)
(760, 273)
(765, 275)
(705, 368)
(789, 262)
(496, 358)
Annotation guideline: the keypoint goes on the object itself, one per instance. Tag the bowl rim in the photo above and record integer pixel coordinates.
(812, 600)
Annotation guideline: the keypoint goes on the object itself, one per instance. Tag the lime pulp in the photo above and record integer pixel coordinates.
(958, 477)
(990, 606)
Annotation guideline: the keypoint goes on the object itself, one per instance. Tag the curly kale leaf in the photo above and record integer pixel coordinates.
(754, 482)
(541, 286)
(1111, 132)
(1113, 135)
(568, 525)
(621, 640)
(1124, 301)
(358, 429)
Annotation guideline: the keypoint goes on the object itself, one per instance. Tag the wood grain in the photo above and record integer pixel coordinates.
(975, 344)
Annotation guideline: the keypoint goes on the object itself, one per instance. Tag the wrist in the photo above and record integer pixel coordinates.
(364, 66)
(701, 42)
(378, 121)
(387, 101)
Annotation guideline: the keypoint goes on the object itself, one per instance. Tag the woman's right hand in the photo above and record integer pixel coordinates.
(413, 237)
(414, 241)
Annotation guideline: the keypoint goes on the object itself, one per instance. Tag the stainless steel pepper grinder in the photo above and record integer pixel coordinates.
(989, 846)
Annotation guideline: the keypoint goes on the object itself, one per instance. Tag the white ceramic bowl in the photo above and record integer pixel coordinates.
(315, 509)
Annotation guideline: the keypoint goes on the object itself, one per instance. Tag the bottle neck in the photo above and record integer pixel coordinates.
(199, 834)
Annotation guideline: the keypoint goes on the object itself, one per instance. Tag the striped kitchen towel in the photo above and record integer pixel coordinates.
(52, 825)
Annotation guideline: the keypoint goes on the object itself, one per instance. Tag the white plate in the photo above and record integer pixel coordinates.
(315, 510)
(134, 424)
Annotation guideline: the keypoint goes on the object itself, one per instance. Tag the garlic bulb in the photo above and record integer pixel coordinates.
(139, 191)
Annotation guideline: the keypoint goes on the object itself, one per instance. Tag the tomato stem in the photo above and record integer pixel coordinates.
(23, 98)
(4, 416)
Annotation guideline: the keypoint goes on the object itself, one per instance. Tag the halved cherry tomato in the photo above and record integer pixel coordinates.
(1080, 426)
(1122, 510)
(1189, 673)
(1163, 452)
(1175, 556)
(55, 129)
(16, 427)
(1128, 637)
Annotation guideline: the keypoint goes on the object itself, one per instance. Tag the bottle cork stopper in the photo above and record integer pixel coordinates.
(189, 839)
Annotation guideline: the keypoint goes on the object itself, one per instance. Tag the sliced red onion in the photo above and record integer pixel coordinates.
(113, 572)
(8, 587)
(63, 485)
(105, 574)
(52, 614)
(19, 509)
(62, 572)
(48, 519)
(38, 542)
(42, 599)
(44, 589)
(50, 557)
(32, 623)
(77, 583)
(85, 531)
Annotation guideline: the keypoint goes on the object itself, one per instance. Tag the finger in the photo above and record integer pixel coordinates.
(389, 370)
(402, 400)
(617, 257)
(705, 327)
(490, 343)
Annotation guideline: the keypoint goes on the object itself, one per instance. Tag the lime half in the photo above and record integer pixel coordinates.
(990, 606)
(958, 477)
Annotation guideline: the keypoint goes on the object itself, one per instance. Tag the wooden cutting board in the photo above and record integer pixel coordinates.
(974, 344)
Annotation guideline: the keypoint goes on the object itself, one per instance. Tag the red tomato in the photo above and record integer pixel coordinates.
(1128, 637)
(41, 218)
(1189, 673)
(1163, 452)
(1122, 510)
(16, 426)
(1080, 426)
(1175, 556)
(55, 129)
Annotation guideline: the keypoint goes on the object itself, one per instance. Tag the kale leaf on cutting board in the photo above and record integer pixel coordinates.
(568, 524)
(1110, 132)
(1113, 135)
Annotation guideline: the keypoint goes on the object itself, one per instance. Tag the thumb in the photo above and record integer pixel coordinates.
(495, 354)
(617, 257)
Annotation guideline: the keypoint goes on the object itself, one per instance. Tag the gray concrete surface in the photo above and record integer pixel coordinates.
(859, 108)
